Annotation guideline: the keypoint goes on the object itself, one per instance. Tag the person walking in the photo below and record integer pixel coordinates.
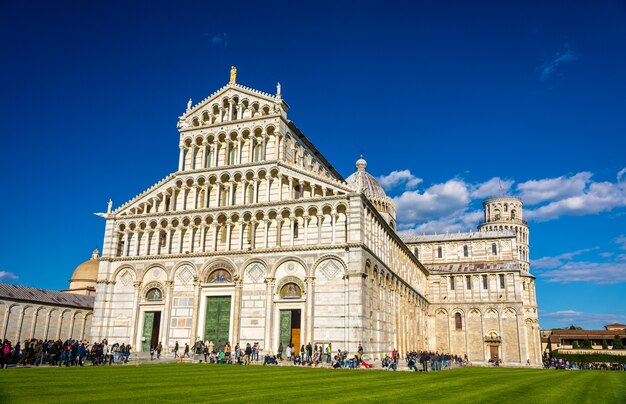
(186, 351)
(176, 347)
(159, 349)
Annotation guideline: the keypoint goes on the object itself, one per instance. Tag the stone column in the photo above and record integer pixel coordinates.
(268, 180)
(205, 156)
(196, 309)
(237, 311)
(333, 221)
(135, 317)
(167, 309)
(216, 147)
(255, 192)
(306, 228)
(46, 326)
(310, 296)
(221, 112)
(254, 224)
(239, 149)
(181, 158)
(192, 152)
(279, 228)
(268, 344)
(229, 228)
(292, 221)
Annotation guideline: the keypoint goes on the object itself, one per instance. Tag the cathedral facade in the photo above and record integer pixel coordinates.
(257, 238)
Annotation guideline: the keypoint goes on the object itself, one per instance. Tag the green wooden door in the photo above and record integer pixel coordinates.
(285, 328)
(217, 321)
(148, 323)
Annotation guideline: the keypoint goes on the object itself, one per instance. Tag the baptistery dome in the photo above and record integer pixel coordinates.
(83, 281)
(364, 182)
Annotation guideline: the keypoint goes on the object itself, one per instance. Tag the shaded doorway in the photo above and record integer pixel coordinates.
(290, 328)
(151, 328)
(217, 321)
(493, 349)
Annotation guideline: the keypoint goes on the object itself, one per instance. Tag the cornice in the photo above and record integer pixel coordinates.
(340, 248)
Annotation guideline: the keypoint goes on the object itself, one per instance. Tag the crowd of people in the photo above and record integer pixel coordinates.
(555, 363)
(35, 352)
(71, 352)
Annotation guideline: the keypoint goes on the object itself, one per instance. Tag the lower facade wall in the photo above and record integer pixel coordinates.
(487, 331)
(25, 320)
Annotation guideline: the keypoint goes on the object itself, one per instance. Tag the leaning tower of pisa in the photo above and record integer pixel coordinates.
(505, 213)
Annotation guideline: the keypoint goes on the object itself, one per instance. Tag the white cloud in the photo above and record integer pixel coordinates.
(566, 56)
(396, 178)
(7, 276)
(572, 196)
(601, 273)
(536, 191)
(553, 262)
(565, 318)
(621, 240)
(437, 202)
(493, 187)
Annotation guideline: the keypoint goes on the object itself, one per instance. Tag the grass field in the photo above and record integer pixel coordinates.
(203, 383)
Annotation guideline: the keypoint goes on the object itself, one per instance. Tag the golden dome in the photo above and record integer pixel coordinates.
(86, 274)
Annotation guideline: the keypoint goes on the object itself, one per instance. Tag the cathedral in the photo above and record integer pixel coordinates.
(257, 238)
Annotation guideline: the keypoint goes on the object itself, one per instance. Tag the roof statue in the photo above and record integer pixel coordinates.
(233, 75)
(109, 205)
(189, 105)
(278, 89)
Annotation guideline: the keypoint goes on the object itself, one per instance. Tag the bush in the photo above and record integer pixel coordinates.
(575, 344)
(587, 344)
(617, 343)
(605, 345)
(590, 358)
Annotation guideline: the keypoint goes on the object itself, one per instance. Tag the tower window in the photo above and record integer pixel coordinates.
(468, 280)
(439, 252)
(494, 249)
(465, 251)
(485, 284)
(501, 281)
(416, 252)
(295, 229)
(452, 283)
(458, 321)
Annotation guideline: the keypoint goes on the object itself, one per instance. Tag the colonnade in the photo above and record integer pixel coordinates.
(25, 321)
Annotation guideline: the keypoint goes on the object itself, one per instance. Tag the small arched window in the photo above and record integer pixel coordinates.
(439, 252)
(154, 295)
(494, 249)
(513, 214)
(465, 251)
(416, 252)
(458, 321)
(506, 207)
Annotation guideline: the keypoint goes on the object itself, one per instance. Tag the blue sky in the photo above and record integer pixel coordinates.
(447, 100)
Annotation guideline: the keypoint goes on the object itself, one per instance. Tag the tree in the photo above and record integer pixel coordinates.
(605, 345)
(617, 343)
(586, 344)
(575, 344)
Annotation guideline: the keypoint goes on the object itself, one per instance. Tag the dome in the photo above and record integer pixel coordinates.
(364, 182)
(85, 275)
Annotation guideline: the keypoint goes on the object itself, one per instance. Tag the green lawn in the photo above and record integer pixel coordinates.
(227, 383)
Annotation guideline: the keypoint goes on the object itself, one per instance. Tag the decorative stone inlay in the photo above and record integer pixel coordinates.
(126, 279)
(185, 275)
(255, 272)
(156, 272)
(330, 269)
(291, 268)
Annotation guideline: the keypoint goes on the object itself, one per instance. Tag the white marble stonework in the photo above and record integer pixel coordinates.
(257, 219)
